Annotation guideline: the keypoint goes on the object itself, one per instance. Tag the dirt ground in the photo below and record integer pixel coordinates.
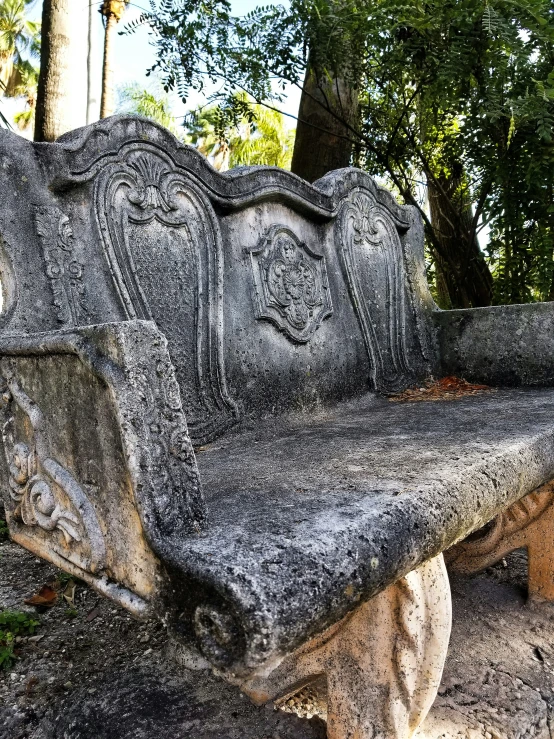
(92, 672)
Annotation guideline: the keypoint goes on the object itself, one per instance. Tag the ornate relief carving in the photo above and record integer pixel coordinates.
(528, 522)
(148, 195)
(163, 246)
(383, 662)
(171, 457)
(373, 261)
(63, 270)
(35, 500)
(42, 492)
(291, 288)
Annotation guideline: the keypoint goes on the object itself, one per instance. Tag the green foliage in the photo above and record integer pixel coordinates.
(246, 135)
(18, 623)
(455, 89)
(7, 654)
(239, 133)
(64, 578)
(12, 624)
(151, 103)
(19, 36)
(457, 97)
(19, 49)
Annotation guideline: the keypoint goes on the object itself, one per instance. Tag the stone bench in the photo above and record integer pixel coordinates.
(194, 374)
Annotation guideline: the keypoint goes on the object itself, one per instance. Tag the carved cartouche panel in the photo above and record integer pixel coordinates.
(290, 280)
(43, 493)
(373, 261)
(64, 272)
(163, 246)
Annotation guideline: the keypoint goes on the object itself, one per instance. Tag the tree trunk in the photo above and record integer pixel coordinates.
(323, 140)
(112, 10)
(60, 98)
(6, 72)
(93, 65)
(463, 278)
(107, 102)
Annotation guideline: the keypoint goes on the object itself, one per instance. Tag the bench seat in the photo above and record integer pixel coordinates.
(308, 516)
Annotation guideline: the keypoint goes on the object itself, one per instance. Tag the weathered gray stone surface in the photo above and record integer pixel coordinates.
(348, 502)
(330, 510)
(273, 295)
(501, 345)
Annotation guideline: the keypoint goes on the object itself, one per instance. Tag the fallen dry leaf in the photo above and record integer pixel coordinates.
(92, 614)
(30, 685)
(46, 597)
(69, 593)
(447, 388)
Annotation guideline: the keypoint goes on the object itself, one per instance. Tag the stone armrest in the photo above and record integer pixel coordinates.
(99, 470)
(501, 345)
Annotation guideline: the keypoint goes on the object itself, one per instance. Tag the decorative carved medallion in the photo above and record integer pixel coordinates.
(291, 288)
(163, 246)
(373, 261)
(63, 270)
(45, 494)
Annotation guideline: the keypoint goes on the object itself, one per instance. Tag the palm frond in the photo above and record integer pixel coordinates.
(4, 122)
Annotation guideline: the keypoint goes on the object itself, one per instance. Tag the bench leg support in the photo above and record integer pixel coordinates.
(527, 523)
(383, 662)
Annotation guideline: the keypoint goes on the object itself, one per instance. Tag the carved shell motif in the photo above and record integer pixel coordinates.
(163, 246)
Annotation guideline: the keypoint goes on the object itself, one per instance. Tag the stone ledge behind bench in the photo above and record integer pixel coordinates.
(499, 345)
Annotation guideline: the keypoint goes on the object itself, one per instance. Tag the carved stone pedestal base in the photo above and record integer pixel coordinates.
(382, 663)
(527, 523)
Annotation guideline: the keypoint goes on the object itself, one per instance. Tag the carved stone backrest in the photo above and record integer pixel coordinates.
(274, 295)
(162, 242)
(372, 257)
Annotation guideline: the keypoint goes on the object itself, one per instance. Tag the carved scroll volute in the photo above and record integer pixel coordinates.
(163, 246)
(529, 523)
(373, 261)
(42, 492)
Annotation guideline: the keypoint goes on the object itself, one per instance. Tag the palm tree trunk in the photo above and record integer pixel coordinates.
(112, 10)
(323, 139)
(93, 87)
(107, 101)
(61, 61)
(6, 71)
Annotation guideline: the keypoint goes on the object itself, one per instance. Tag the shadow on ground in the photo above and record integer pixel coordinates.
(92, 672)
